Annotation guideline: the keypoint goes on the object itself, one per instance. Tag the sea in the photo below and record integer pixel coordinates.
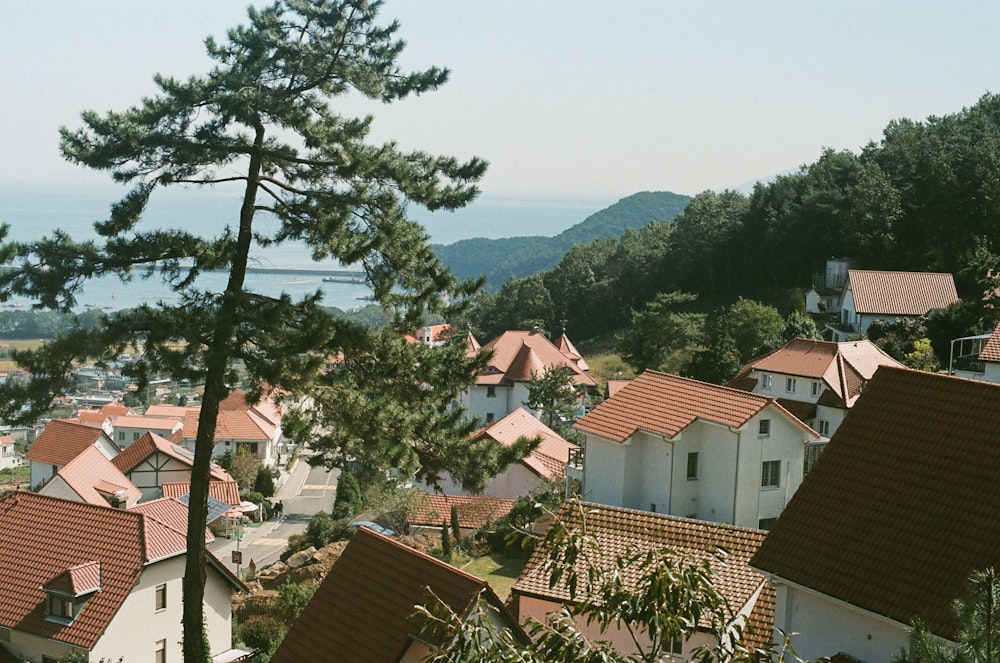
(36, 210)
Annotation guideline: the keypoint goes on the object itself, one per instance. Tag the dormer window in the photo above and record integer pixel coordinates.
(68, 593)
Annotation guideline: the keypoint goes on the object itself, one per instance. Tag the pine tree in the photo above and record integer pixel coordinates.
(262, 121)
(445, 542)
(456, 531)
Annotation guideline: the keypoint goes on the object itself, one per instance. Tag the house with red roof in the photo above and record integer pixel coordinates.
(614, 530)
(817, 381)
(241, 425)
(549, 461)
(430, 510)
(104, 582)
(364, 608)
(62, 441)
(517, 356)
(673, 445)
(870, 295)
(92, 478)
(898, 512)
(152, 461)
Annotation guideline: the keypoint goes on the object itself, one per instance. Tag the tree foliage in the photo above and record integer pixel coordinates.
(261, 120)
(672, 598)
(553, 395)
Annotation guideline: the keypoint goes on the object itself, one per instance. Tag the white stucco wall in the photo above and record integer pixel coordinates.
(991, 372)
(823, 626)
(40, 473)
(137, 626)
(604, 471)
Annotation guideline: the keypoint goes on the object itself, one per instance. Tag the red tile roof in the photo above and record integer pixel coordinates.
(62, 441)
(474, 511)
(900, 293)
(177, 412)
(615, 529)
(667, 404)
(548, 459)
(567, 348)
(224, 491)
(902, 505)
(363, 610)
(166, 527)
(44, 537)
(991, 351)
(148, 423)
(77, 580)
(96, 479)
(238, 420)
(516, 354)
(151, 443)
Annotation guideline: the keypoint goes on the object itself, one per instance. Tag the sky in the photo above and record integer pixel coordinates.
(573, 98)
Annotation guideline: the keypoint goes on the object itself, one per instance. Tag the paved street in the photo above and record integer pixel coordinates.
(303, 492)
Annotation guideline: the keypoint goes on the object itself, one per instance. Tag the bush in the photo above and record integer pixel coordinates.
(262, 633)
(264, 482)
(258, 498)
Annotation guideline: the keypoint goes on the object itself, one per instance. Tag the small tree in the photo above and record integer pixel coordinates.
(553, 395)
(264, 482)
(347, 501)
(455, 529)
(445, 542)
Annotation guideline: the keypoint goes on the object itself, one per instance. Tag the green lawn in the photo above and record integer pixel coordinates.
(498, 570)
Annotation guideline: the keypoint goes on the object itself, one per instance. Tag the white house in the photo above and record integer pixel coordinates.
(726, 549)
(8, 454)
(873, 295)
(824, 297)
(517, 356)
(256, 428)
(62, 441)
(549, 461)
(899, 511)
(129, 428)
(101, 582)
(817, 381)
(672, 445)
(152, 461)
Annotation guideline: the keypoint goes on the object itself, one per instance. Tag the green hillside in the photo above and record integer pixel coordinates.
(500, 259)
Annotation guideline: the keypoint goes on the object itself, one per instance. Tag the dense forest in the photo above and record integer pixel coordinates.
(500, 259)
(925, 197)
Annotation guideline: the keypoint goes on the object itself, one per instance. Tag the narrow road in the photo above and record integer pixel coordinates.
(303, 493)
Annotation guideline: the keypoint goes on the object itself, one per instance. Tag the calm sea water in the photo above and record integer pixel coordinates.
(36, 210)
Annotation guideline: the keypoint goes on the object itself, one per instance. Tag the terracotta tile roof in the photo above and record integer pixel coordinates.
(167, 411)
(43, 537)
(548, 459)
(474, 511)
(224, 491)
(758, 633)
(991, 351)
(843, 367)
(95, 479)
(92, 417)
(165, 527)
(799, 409)
(567, 348)
(363, 610)
(667, 404)
(151, 443)
(900, 293)
(616, 529)
(115, 410)
(61, 441)
(614, 386)
(472, 346)
(517, 353)
(902, 505)
(77, 580)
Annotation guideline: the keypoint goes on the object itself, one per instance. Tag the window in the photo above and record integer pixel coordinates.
(491, 392)
(161, 597)
(811, 456)
(652, 507)
(692, 466)
(121, 436)
(490, 417)
(790, 385)
(770, 474)
(817, 388)
(135, 436)
(60, 607)
(676, 646)
(764, 428)
(766, 523)
(765, 381)
(161, 651)
(823, 427)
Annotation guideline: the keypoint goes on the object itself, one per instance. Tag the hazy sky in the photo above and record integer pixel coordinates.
(562, 97)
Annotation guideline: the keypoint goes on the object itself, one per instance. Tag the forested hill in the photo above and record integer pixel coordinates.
(500, 259)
